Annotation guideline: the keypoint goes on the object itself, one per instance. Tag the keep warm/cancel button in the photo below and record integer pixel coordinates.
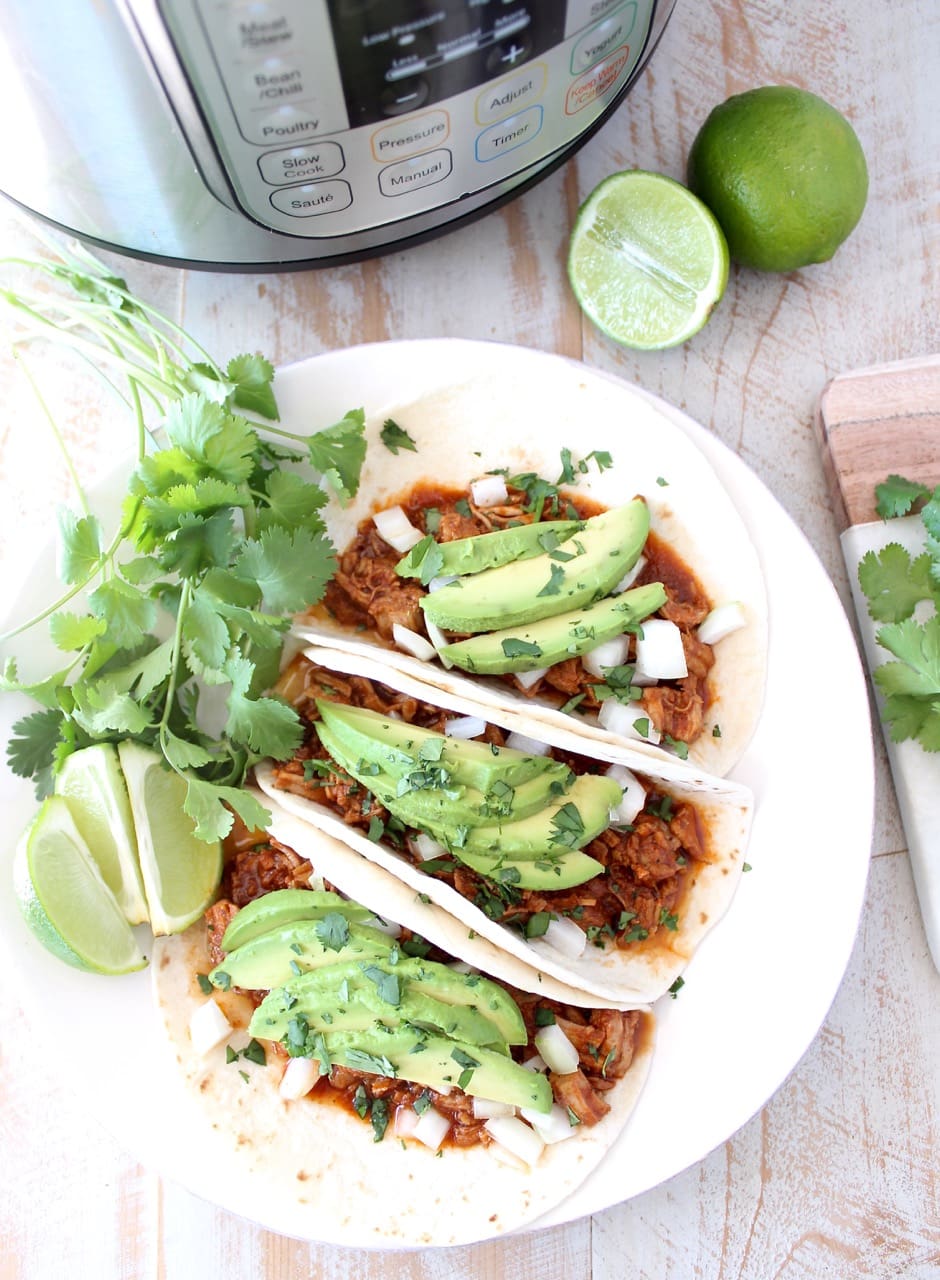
(313, 198)
(420, 171)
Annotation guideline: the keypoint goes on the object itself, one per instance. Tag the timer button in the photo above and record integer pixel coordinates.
(404, 96)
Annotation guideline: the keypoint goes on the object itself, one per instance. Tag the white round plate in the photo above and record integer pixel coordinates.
(759, 988)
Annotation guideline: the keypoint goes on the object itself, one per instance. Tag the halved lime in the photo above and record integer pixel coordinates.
(64, 899)
(647, 261)
(180, 873)
(92, 782)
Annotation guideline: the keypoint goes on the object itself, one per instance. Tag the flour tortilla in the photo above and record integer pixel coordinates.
(316, 1164)
(500, 420)
(629, 977)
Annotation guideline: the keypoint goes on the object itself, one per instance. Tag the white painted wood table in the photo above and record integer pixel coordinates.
(838, 1175)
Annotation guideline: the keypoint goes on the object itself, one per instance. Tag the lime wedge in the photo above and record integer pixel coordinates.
(65, 900)
(92, 783)
(647, 261)
(180, 873)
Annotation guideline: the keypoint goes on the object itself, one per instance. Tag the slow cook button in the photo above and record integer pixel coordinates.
(313, 198)
(421, 171)
(509, 134)
(507, 96)
(598, 42)
(292, 164)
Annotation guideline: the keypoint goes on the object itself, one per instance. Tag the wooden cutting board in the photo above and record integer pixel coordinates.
(870, 424)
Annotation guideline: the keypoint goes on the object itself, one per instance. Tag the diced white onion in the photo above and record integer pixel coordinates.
(460, 966)
(316, 882)
(397, 530)
(432, 1128)
(412, 643)
(628, 579)
(559, 1053)
(528, 678)
(443, 581)
(566, 936)
(535, 1063)
(489, 491)
(465, 727)
(208, 1026)
(722, 620)
(427, 846)
(406, 1121)
(489, 1109)
(641, 681)
(531, 746)
(300, 1075)
(623, 718)
(554, 1127)
(634, 794)
(385, 926)
(439, 640)
(518, 1138)
(611, 653)
(659, 650)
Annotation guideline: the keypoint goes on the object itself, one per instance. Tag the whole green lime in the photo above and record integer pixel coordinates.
(784, 174)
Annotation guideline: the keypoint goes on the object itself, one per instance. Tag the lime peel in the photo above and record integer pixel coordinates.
(648, 262)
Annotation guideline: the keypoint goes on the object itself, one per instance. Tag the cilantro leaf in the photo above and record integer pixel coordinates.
(553, 585)
(128, 614)
(210, 805)
(205, 638)
(387, 985)
(395, 437)
(896, 496)
(79, 551)
(333, 930)
(31, 749)
(71, 631)
(223, 442)
(184, 755)
(514, 648)
(102, 709)
(338, 453)
(917, 645)
(292, 501)
(425, 561)
(291, 569)
(266, 725)
(894, 583)
(252, 376)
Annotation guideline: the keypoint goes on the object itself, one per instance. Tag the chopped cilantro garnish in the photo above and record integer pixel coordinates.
(716, 731)
(676, 987)
(333, 930)
(537, 924)
(556, 578)
(572, 703)
(254, 1052)
(567, 826)
(416, 946)
(395, 437)
(431, 749)
(465, 1077)
(544, 1017)
(680, 748)
(463, 1059)
(573, 1117)
(642, 726)
(462, 507)
(386, 984)
(897, 496)
(360, 1101)
(205, 986)
(747, 867)
(422, 1102)
(376, 829)
(669, 920)
(660, 481)
(432, 519)
(230, 1055)
(221, 980)
(359, 1060)
(379, 1118)
(514, 648)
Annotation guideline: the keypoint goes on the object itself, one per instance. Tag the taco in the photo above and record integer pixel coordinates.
(536, 551)
(580, 861)
(363, 1081)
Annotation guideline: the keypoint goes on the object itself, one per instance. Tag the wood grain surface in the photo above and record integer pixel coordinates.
(837, 1176)
(876, 422)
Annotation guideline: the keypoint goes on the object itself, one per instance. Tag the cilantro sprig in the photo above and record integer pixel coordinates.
(220, 538)
(904, 593)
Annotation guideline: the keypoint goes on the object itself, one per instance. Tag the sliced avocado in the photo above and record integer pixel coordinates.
(484, 550)
(435, 1061)
(283, 907)
(584, 569)
(353, 996)
(552, 640)
(275, 957)
(442, 800)
(396, 748)
(570, 822)
(560, 871)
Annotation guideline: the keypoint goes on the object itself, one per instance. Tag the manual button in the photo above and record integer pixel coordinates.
(294, 164)
(313, 198)
(421, 171)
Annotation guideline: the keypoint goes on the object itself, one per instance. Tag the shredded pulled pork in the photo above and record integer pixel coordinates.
(367, 592)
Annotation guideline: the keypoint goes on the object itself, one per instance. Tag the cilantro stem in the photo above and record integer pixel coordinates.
(57, 434)
(186, 595)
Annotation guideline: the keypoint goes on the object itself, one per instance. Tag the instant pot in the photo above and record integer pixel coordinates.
(264, 134)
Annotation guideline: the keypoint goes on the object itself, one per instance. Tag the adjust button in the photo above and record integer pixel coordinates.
(504, 97)
(294, 164)
(313, 198)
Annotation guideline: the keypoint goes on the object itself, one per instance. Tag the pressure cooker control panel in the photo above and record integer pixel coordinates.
(333, 116)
